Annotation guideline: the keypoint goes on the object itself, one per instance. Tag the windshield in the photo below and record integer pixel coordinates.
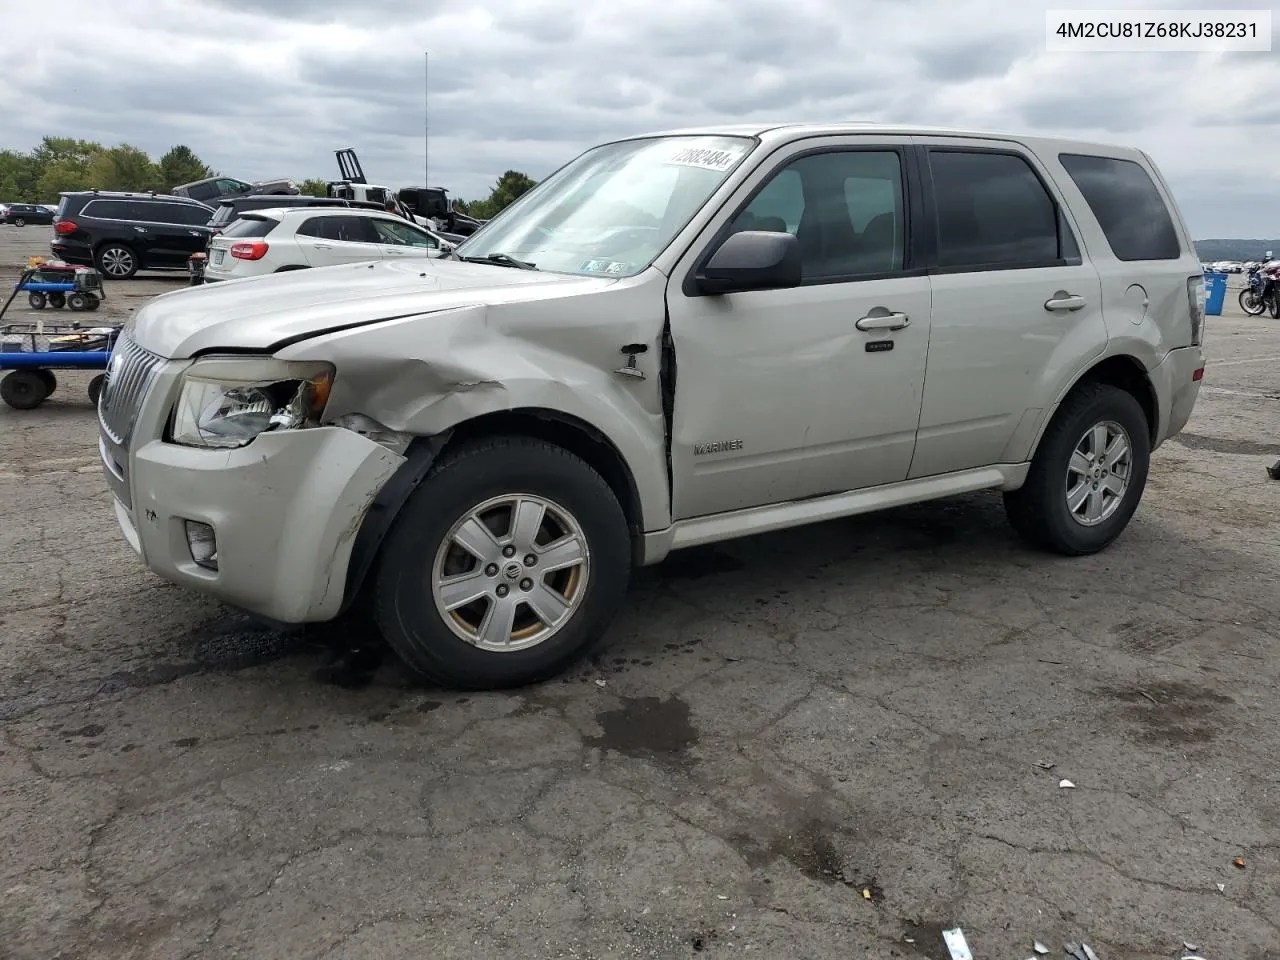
(613, 209)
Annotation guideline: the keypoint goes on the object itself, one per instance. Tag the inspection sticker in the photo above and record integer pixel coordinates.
(698, 154)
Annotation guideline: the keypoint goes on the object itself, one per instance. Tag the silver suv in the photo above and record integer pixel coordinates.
(674, 339)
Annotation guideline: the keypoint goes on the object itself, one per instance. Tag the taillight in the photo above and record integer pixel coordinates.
(254, 250)
(1195, 305)
(64, 227)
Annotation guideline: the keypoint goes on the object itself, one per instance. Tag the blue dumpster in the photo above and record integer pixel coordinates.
(1215, 293)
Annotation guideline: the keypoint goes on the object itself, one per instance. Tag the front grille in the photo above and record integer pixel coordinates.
(129, 374)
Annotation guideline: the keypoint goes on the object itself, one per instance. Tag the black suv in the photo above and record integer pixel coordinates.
(20, 214)
(231, 209)
(122, 233)
(213, 189)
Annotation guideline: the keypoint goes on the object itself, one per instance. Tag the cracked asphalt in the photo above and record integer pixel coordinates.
(820, 743)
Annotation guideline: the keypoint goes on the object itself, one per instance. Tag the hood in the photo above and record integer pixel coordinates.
(257, 313)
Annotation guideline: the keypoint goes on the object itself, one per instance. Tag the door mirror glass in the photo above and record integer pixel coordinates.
(752, 260)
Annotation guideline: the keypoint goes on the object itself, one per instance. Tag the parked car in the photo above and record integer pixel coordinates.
(21, 214)
(281, 239)
(122, 233)
(673, 340)
(230, 209)
(213, 189)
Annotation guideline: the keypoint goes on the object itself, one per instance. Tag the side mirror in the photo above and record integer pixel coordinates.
(752, 260)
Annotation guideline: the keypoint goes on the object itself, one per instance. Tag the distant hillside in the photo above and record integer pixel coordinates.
(1210, 250)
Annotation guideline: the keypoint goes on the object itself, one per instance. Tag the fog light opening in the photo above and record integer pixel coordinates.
(203, 544)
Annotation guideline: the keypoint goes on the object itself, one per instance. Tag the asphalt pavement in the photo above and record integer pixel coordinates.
(831, 742)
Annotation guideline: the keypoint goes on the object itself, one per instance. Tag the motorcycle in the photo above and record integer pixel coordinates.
(1262, 290)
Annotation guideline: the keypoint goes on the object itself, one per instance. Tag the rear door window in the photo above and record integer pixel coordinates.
(1129, 208)
(340, 229)
(993, 212)
(108, 210)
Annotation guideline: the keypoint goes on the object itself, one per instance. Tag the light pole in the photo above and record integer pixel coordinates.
(426, 82)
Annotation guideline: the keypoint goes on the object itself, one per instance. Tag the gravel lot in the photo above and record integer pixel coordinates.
(823, 743)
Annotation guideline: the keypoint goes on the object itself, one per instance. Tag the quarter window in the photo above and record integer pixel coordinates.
(1129, 209)
(844, 207)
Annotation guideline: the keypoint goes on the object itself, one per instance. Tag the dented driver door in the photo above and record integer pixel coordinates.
(794, 393)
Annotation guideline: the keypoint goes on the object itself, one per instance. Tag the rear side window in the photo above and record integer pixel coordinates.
(993, 211)
(257, 227)
(341, 229)
(1128, 206)
(108, 210)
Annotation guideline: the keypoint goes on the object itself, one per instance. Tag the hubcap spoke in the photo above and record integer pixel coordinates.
(474, 537)
(548, 605)
(495, 629)
(562, 554)
(1093, 510)
(1098, 442)
(1080, 463)
(1114, 485)
(1076, 498)
(459, 591)
(526, 523)
(1116, 450)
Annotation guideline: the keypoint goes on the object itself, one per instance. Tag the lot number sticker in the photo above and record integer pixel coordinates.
(718, 159)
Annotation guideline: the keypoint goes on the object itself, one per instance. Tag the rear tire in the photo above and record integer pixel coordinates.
(50, 381)
(23, 389)
(117, 261)
(1072, 504)
(37, 301)
(19, 222)
(1274, 303)
(560, 584)
(95, 387)
(57, 300)
(78, 301)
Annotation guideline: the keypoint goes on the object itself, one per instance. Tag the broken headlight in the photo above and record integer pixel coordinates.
(226, 402)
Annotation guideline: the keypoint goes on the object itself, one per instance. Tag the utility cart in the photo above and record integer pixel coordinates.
(60, 285)
(32, 350)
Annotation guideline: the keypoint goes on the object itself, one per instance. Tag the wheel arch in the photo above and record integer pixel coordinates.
(562, 429)
(1123, 371)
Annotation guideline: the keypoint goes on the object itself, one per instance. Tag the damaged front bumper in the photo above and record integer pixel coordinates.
(283, 513)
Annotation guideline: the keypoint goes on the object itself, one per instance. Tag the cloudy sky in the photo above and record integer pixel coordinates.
(262, 88)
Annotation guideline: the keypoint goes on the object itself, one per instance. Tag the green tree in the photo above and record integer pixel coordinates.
(510, 187)
(123, 168)
(62, 175)
(181, 165)
(19, 178)
(313, 187)
(75, 153)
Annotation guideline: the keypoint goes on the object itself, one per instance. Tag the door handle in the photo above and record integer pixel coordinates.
(1065, 302)
(888, 321)
(321, 246)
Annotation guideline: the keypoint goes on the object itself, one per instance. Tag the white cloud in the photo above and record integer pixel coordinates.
(263, 88)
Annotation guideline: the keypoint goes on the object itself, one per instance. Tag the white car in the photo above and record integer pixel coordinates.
(284, 238)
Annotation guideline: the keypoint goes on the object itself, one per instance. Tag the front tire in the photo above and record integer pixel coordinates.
(24, 389)
(37, 301)
(1087, 476)
(504, 567)
(117, 261)
(1251, 303)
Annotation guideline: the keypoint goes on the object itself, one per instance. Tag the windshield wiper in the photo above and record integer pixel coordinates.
(502, 260)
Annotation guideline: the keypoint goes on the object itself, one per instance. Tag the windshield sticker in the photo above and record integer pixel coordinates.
(708, 158)
(613, 267)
